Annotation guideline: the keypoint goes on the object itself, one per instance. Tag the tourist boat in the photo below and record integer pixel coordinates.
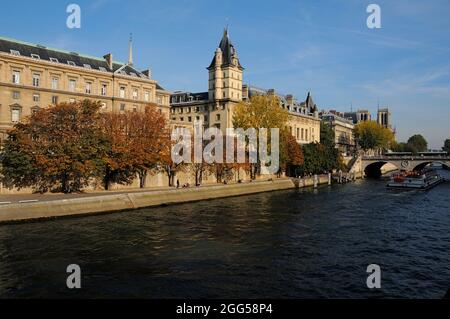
(415, 180)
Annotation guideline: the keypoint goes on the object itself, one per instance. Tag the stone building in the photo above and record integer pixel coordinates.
(34, 76)
(384, 118)
(215, 107)
(343, 131)
(225, 90)
(359, 116)
(304, 121)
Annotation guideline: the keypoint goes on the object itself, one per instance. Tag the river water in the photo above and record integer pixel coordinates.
(288, 244)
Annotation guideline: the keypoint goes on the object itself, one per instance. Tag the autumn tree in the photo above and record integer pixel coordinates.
(373, 136)
(149, 133)
(166, 163)
(118, 160)
(291, 153)
(260, 112)
(60, 148)
(136, 145)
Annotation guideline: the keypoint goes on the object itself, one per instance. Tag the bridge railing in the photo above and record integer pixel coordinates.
(406, 157)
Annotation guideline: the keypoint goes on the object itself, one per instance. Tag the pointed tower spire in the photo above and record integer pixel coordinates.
(130, 50)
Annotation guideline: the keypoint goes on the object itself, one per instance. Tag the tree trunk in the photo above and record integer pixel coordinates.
(142, 177)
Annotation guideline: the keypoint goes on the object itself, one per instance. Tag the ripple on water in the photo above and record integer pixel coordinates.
(288, 244)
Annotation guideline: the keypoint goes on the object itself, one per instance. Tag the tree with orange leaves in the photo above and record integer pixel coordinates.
(291, 154)
(59, 148)
(137, 145)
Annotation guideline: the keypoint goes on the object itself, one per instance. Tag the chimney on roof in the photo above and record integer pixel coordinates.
(109, 60)
(147, 73)
(290, 99)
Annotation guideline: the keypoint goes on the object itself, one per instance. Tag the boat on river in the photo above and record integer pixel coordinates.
(422, 180)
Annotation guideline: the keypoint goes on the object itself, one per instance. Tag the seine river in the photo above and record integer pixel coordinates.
(288, 244)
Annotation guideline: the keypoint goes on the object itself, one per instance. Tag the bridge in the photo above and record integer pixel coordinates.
(371, 165)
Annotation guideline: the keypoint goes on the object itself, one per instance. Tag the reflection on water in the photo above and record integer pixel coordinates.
(289, 244)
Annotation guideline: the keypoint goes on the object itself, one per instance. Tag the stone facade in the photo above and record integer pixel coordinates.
(215, 108)
(343, 131)
(33, 76)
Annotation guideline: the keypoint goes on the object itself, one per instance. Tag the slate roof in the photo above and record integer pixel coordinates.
(187, 97)
(67, 58)
(228, 50)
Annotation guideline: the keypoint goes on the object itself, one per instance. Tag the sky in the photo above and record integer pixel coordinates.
(322, 46)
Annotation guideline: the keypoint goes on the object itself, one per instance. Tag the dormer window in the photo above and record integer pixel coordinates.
(54, 60)
(71, 63)
(102, 69)
(36, 56)
(87, 66)
(15, 52)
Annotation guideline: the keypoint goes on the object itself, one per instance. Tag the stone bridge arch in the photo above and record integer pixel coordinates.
(372, 166)
(373, 169)
(424, 164)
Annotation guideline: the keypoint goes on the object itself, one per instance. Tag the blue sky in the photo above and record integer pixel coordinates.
(292, 46)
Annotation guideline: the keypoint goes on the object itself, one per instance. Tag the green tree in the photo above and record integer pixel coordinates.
(373, 136)
(446, 147)
(417, 143)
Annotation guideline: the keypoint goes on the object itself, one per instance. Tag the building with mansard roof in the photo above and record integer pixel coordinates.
(215, 108)
(33, 76)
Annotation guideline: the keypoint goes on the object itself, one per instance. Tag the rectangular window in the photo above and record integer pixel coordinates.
(159, 100)
(218, 117)
(16, 95)
(54, 99)
(55, 83)
(147, 96)
(122, 107)
(36, 97)
(72, 85)
(15, 115)
(104, 89)
(88, 89)
(135, 94)
(16, 77)
(36, 79)
(122, 92)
